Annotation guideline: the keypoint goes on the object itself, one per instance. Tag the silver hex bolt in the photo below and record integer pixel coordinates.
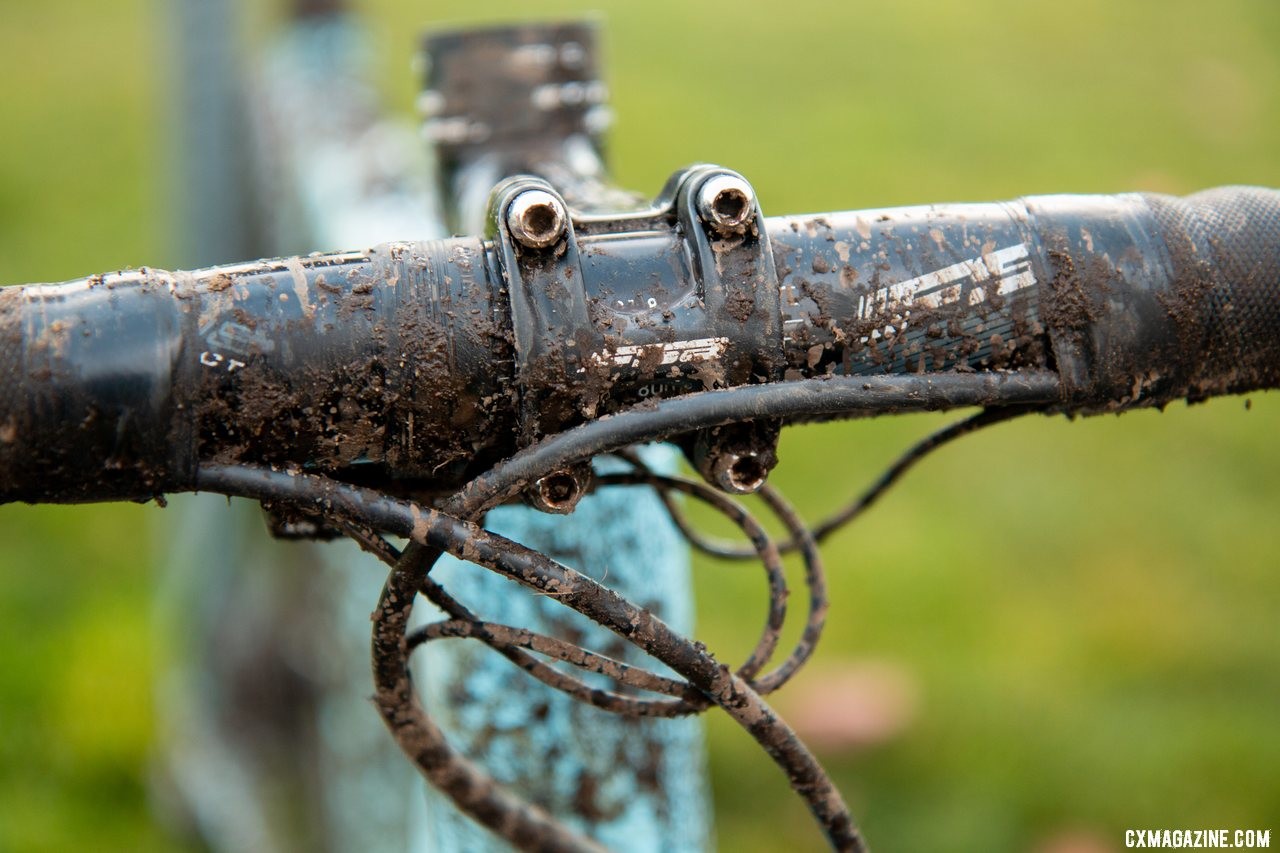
(559, 492)
(726, 203)
(536, 218)
(736, 458)
(739, 474)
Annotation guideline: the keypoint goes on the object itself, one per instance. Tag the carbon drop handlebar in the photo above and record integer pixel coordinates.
(424, 363)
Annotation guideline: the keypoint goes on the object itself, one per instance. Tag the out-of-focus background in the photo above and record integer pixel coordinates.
(1050, 633)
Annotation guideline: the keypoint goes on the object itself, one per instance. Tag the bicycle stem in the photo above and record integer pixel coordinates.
(426, 362)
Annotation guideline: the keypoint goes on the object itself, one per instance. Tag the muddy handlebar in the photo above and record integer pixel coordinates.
(427, 362)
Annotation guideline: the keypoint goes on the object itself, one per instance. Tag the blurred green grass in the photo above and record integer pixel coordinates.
(1088, 609)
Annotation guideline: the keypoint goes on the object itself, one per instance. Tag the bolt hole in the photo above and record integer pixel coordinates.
(746, 474)
(730, 205)
(541, 221)
(558, 490)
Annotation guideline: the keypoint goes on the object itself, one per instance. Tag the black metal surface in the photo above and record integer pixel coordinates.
(551, 331)
(602, 317)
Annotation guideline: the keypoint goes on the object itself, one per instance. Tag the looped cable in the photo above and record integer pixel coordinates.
(365, 515)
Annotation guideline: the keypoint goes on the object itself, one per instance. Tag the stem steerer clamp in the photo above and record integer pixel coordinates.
(608, 310)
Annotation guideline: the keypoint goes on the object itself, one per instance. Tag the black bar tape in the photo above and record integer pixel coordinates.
(1150, 299)
(1224, 245)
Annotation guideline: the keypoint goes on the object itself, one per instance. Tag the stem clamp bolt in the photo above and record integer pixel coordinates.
(559, 491)
(726, 203)
(736, 458)
(536, 219)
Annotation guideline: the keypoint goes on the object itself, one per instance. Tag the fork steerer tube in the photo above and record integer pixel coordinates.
(426, 362)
